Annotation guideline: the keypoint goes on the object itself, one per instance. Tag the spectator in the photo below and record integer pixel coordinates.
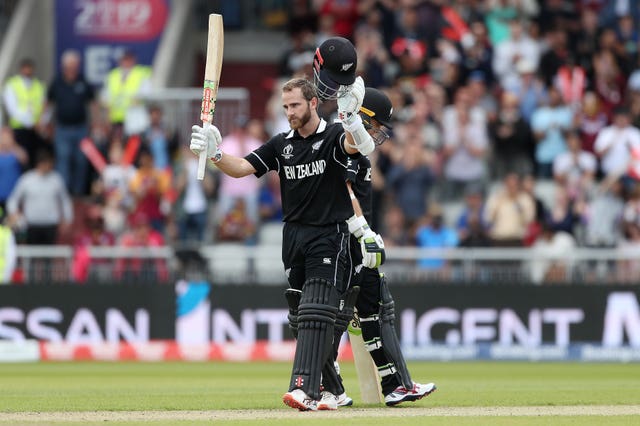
(480, 95)
(602, 216)
(345, 15)
(556, 57)
(72, 96)
(478, 55)
(435, 234)
(395, 230)
(609, 82)
(410, 179)
(299, 57)
(571, 81)
(40, 200)
(161, 141)
(562, 215)
(270, 200)
(509, 211)
(473, 209)
(508, 53)
(590, 120)
(236, 225)
(530, 91)
(240, 143)
(7, 251)
(93, 235)
(141, 269)
(549, 123)
(24, 99)
(615, 143)
(575, 169)
(149, 187)
(550, 262)
(475, 234)
(465, 146)
(513, 143)
(12, 158)
(124, 89)
(193, 198)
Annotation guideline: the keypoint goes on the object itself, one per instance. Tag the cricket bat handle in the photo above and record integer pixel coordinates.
(202, 158)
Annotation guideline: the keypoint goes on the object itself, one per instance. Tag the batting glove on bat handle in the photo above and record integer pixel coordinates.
(372, 247)
(206, 139)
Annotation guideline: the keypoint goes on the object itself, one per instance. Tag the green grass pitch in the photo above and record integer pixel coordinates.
(119, 387)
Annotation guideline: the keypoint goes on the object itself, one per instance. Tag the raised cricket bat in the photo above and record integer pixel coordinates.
(212, 69)
(367, 372)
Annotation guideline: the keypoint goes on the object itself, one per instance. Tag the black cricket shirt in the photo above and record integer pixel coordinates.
(359, 174)
(311, 171)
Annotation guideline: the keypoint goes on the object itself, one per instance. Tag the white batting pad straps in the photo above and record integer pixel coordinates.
(387, 370)
(373, 344)
(371, 318)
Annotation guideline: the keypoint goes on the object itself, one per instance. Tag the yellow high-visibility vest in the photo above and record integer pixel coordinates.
(5, 234)
(122, 92)
(30, 98)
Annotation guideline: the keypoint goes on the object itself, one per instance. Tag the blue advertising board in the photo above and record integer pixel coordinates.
(101, 30)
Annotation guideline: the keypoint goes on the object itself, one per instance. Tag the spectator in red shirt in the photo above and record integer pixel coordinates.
(135, 269)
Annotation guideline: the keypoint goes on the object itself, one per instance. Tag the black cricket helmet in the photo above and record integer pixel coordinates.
(334, 67)
(376, 106)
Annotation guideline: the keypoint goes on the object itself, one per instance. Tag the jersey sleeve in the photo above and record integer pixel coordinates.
(351, 173)
(264, 158)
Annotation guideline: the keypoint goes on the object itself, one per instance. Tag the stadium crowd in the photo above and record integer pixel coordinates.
(494, 102)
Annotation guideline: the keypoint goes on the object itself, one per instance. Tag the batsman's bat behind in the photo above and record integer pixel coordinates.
(212, 69)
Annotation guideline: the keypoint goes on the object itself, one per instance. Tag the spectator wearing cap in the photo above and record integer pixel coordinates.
(239, 143)
(24, 99)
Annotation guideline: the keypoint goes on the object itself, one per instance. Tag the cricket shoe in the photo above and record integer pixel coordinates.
(328, 401)
(297, 398)
(343, 400)
(402, 394)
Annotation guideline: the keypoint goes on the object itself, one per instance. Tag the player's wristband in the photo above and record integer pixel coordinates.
(217, 156)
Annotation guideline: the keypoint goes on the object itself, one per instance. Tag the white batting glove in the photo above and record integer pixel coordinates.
(372, 247)
(349, 104)
(205, 139)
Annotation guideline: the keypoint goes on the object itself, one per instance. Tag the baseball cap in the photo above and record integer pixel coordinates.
(336, 58)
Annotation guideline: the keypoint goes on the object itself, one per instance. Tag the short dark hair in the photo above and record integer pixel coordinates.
(306, 87)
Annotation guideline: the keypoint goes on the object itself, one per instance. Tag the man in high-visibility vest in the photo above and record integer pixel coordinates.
(124, 90)
(24, 99)
(7, 251)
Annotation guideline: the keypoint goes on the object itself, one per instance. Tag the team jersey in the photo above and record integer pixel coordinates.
(359, 174)
(311, 174)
